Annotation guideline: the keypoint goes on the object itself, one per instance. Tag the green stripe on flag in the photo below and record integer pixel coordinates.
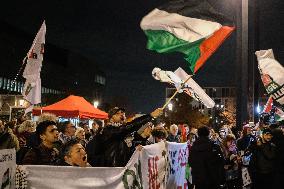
(165, 42)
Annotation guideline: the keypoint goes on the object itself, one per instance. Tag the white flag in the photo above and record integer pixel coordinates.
(194, 90)
(191, 88)
(32, 87)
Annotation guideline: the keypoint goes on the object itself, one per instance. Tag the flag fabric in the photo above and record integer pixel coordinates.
(193, 89)
(279, 114)
(32, 87)
(272, 74)
(192, 27)
(190, 87)
(268, 105)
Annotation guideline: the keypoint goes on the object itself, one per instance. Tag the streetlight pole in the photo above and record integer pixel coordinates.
(242, 61)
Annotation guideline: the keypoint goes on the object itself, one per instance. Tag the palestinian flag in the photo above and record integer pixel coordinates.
(191, 27)
(268, 105)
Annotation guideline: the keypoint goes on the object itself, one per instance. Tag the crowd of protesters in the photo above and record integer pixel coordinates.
(223, 158)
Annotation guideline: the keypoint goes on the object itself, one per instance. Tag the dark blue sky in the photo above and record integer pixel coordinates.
(108, 33)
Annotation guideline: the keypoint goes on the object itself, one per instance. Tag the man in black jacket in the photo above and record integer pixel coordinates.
(207, 162)
(263, 161)
(113, 140)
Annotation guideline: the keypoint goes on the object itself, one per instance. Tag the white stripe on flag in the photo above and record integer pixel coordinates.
(186, 28)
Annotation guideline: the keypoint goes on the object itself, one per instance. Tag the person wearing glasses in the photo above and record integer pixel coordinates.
(67, 131)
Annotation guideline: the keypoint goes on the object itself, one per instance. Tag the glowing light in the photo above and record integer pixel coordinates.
(170, 106)
(96, 103)
(21, 102)
(258, 109)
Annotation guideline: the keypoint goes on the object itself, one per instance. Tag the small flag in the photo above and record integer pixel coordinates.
(268, 105)
(191, 27)
(32, 87)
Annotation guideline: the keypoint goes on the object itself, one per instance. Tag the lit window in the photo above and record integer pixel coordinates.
(15, 86)
(100, 79)
(4, 83)
(8, 84)
(22, 86)
(18, 86)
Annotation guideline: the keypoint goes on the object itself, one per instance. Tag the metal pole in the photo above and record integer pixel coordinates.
(242, 62)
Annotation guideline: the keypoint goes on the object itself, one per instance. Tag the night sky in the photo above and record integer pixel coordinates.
(108, 33)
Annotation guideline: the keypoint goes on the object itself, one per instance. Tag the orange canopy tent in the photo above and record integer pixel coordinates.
(72, 107)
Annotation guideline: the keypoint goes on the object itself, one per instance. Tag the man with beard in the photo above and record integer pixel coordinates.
(263, 161)
(73, 154)
(45, 153)
(116, 147)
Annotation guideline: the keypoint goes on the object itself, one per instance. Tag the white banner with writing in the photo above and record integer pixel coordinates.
(7, 168)
(148, 169)
(178, 158)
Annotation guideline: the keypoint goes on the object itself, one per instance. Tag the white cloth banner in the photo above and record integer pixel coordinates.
(52, 177)
(146, 169)
(7, 168)
(154, 165)
(32, 87)
(178, 158)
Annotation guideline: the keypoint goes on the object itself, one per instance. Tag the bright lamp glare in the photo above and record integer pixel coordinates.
(96, 103)
(21, 102)
(170, 106)
(258, 109)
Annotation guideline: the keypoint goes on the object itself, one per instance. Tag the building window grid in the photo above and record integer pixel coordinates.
(8, 84)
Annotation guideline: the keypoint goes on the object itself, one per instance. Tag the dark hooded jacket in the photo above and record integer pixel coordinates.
(115, 150)
(207, 163)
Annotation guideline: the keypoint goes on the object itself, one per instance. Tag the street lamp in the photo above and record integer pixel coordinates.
(21, 102)
(96, 103)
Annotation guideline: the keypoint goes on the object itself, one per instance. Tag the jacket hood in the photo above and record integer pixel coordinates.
(202, 144)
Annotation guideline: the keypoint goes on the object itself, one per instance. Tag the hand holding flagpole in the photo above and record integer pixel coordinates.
(177, 91)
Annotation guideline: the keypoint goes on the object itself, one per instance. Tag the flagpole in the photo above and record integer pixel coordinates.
(181, 86)
(17, 75)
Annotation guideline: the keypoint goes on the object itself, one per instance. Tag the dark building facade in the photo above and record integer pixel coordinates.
(63, 72)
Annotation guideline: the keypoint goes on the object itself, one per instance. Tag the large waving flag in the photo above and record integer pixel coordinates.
(32, 87)
(272, 74)
(191, 27)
